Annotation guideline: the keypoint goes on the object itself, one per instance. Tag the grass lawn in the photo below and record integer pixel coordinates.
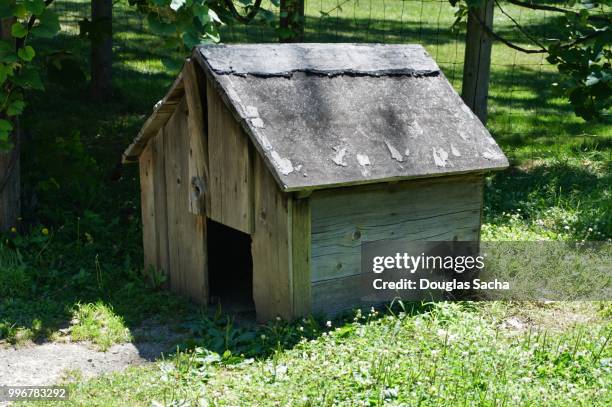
(74, 268)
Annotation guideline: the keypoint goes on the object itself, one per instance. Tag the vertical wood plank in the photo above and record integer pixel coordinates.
(160, 197)
(147, 204)
(186, 232)
(477, 63)
(195, 93)
(271, 247)
(229, 167)
(300, 247)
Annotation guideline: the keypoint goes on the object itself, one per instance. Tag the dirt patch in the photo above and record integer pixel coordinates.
(49, 363)
(551, 316)
(46, 364)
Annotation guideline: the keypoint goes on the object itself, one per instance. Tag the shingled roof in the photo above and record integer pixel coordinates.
(326, 115)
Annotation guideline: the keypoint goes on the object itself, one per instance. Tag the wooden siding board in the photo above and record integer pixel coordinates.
(440, 209)
(229, 167)
(301, 257)
(186, 231)
(161, 215)
(271, 247)
(195, 93)
(147, 204)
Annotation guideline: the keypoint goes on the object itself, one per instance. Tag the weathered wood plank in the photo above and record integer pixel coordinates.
(300, 235)
(229, 167)
(271, 247)
(195, 93)
(147, 206)
(186, 232)
(331, 297)
(161, 216)
(437, 209)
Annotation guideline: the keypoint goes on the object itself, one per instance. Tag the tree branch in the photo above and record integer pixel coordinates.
(502, 39)
(520, 27)
(250, 15)
(542, 49)
(21, 41)
(537, 6)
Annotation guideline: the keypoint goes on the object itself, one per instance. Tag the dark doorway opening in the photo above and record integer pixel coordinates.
(230, 268)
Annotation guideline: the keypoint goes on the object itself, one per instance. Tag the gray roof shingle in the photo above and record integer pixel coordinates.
(327, 115)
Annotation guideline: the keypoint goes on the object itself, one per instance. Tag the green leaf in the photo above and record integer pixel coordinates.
(191, 39)
(3, 73)
(201, 12)
(591, 80)
(214, 17)
(36, 7)
(177, 4)
(48, 25)
(158, 26)
(18, 30)
(29, 78)
(5, 130)
(15, 108)
(6, 50)
(26, 53)
(20, 11)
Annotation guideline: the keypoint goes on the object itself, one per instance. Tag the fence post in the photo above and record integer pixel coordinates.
(477, 62)
(291, 21)
(101, 49)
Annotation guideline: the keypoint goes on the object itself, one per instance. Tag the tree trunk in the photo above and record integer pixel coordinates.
(10, 187)
(477, 63)
(291, 21)
(101, 36)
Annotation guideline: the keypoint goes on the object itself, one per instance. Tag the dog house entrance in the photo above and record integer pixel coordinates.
(230, 268)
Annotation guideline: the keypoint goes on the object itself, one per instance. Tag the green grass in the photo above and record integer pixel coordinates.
(98, 324)
(444, 354)
(78, 250)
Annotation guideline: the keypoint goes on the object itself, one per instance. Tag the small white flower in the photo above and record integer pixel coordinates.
(328, 324)
(263, 337)
(566, 227)
(278, 318)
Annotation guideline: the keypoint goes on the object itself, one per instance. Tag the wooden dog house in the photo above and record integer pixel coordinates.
(308, 150)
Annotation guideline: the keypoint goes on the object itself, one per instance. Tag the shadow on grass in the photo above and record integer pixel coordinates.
(571, 187)
(99, 300)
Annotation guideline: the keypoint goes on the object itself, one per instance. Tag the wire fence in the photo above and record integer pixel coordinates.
(524, 108)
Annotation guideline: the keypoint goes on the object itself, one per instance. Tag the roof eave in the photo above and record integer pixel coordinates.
(161, 113)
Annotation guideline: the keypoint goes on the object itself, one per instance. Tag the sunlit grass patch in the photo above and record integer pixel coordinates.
(447, 354)
(99, 324)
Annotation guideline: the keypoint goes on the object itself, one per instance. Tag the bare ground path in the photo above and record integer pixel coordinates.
(46, 364)
(52, 362)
